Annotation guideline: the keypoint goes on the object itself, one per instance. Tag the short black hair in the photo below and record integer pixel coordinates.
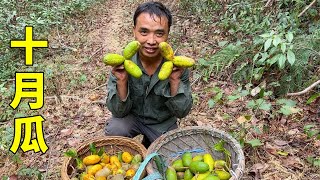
(153, 8)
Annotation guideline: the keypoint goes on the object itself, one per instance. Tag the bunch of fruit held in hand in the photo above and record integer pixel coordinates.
(116, 59)
(134, 70)
(199, 167)
(102, 166)
(172, 60)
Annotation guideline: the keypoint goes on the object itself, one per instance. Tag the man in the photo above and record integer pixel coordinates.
(147, 105)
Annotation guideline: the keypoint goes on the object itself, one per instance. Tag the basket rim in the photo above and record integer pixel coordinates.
(86, 142)
(238, 150)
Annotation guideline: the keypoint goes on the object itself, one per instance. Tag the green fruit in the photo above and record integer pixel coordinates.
(198, 167)
(223, 175)
(132, 68)
(136, 159)
(113, 59)
(165, 70)
(211, 177)
(207, 158)
(201, 176)
(177, 165)
(182, 61)
(219, 164)
(197, 158)
(131, 49)
(188, 175)
(166, 51)
(171, 174)
(186, 159)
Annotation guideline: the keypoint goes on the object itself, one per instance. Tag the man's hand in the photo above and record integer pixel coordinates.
(122, 79)
(120, 73)
(176, 73)
(174, 79)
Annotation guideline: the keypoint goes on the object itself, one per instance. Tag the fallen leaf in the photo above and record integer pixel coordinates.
(94, 97)
(241, 119)
(66, 132)
(73, 142)
(293, 131)
(280, 142)
(282, 153)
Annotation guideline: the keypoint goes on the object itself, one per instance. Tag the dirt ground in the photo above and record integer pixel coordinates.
(74, 99)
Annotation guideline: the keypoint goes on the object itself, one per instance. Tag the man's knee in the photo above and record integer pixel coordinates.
(119, 127)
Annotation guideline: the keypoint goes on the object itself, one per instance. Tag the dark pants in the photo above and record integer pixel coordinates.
(129, 126)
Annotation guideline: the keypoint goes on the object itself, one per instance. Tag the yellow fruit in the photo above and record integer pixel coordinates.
(130, 172)
(197, 158)
(183, 61)
(130, 49)
(105, 158)
(207, 158)
(88, 177)
(113, 59)
(132, 69)
(126, 157)
(94, 169)
(101, 178)
(92, 159)
(223, 175)
(165, 70)
(201, 176)
(166, 51)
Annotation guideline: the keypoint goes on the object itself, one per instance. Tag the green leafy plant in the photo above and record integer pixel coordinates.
(314, 161)
(311, 131)
(30, 172)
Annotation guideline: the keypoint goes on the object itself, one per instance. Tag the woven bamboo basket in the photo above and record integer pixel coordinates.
(172, 144)
(112, 145)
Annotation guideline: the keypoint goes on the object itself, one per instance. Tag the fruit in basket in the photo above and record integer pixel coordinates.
(103, 172)
(207, 158)
(178, 166)
(136, 159)
(223, 175)
(115, 161)
(130, 173)
(219, 164)
(198, 167)
(126, 157)
(197, 158)
(211, 177)
(87, 177)
(201, 176)
(94, 169)
(186, 159)
(188, 175)
(91, 159)
(105, 158)
(171, 174)
(101, 178)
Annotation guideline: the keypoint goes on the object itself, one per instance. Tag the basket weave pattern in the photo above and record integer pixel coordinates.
(174, 143)
(111, 144)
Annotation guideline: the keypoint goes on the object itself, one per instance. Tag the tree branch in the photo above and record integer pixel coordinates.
(305, 90)
(305, 9)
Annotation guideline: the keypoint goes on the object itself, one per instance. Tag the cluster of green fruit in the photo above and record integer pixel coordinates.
(199, 167)
(134, 70)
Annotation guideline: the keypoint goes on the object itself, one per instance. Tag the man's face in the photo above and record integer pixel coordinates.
(150, 31)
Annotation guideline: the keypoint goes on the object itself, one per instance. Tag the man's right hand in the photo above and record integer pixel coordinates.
(120, 73)
(122, 79)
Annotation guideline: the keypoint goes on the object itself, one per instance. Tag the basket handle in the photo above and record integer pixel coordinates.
(153, 176)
